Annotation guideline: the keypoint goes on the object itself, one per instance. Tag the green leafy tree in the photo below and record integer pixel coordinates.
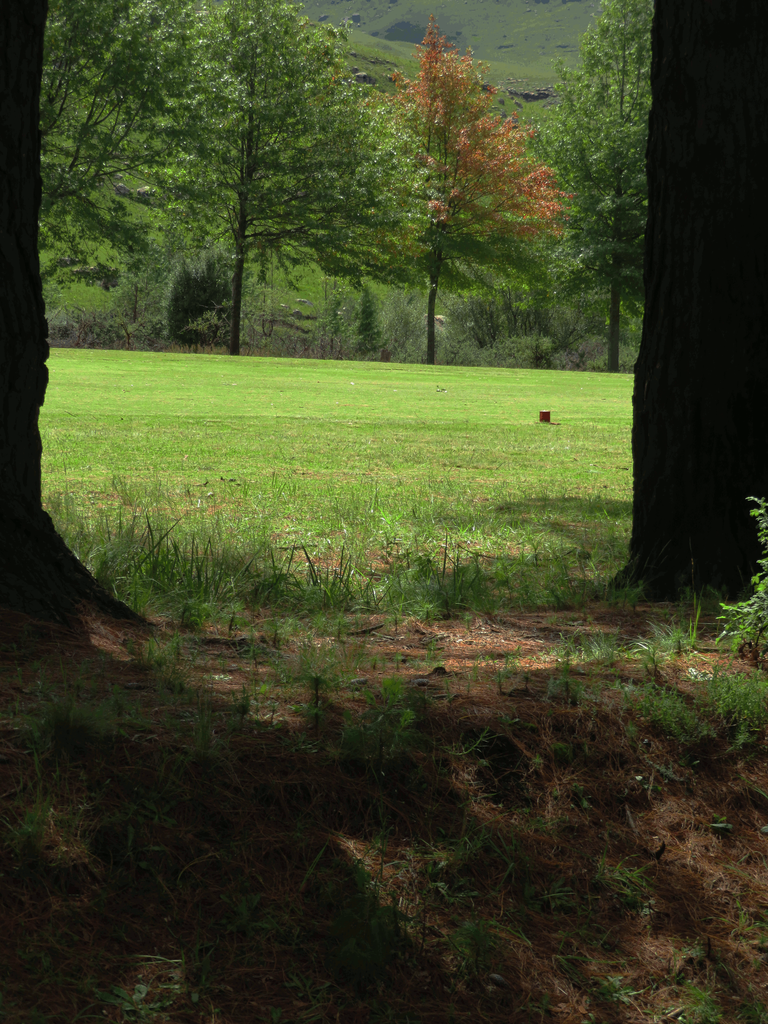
(480, 195)
(368, 330)
(276, 157)
(111, 71)
(595, 139)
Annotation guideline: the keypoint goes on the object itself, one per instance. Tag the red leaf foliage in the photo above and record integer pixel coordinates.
(480, 179)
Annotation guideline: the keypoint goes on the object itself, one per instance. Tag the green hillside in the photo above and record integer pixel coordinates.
(520, 38)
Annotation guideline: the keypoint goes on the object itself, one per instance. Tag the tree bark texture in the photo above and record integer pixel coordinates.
(700, 403)
(38, 573)
(431, 299)
(237, 283)
(237, 305)
(614, 325)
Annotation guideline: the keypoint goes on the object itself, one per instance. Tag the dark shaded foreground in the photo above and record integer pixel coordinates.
(187, 838)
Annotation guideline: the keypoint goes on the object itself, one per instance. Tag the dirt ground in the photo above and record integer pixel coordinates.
(525, 845)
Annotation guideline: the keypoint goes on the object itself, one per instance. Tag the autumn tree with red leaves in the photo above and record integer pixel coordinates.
(480, 194)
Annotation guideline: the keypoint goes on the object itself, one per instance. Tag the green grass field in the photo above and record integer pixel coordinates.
(371, 457)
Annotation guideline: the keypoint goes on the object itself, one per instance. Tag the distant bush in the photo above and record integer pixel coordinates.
(525, 330)
(591, 354)
(117, 327)
(126, 311)
(504, 328)
(403, 326)
(367, 326)
(335, 328)
(198, 295)
(531, 352)
(157, 302)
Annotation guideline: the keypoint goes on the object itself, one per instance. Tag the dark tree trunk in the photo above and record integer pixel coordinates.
(38, 574)
(700, 433)
(431, 299)
(614, 324)
(237, 285)
(237, 305)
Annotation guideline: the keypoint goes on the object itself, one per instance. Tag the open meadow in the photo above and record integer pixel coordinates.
(250, 458)
(389, 746)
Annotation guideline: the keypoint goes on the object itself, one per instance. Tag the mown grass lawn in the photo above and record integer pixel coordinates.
(139, 414)
(310, 447)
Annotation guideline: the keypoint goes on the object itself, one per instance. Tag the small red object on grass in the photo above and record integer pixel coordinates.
(544, 416)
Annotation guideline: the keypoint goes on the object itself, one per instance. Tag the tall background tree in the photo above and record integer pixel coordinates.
(275, 161)
(480, 193)
(595, 140)
(38, 574)
(700, 411)
(111, 72)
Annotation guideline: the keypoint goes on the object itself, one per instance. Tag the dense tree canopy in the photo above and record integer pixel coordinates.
(479, 192)
(111, 73)
(276, 157)
(595, 139)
